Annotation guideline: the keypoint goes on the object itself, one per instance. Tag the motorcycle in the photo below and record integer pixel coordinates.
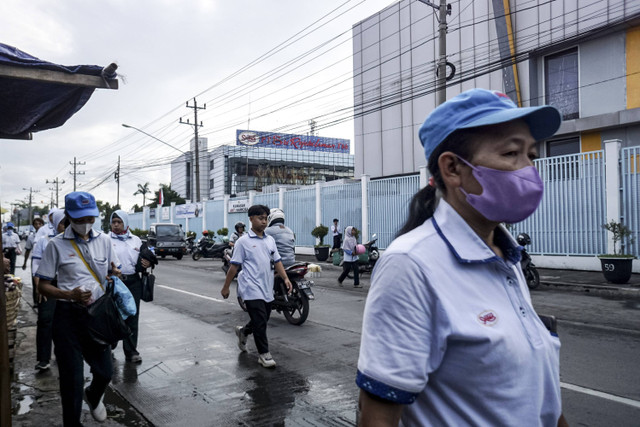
(208, 248)
(191, 244)
(226, 261)
(528, 268)
(294, 306)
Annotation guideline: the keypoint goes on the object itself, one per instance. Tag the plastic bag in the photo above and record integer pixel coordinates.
(124, 300)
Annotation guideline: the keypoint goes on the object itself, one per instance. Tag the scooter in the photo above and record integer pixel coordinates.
(294, 306)
(191, 244)
(207, 248)
(226, 261)
(528, 268)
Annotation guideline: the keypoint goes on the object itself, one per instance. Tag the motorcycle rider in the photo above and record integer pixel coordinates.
(239, 227)
(283, 235)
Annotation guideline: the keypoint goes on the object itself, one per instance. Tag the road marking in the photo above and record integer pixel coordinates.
(573, 387)
(195, 295)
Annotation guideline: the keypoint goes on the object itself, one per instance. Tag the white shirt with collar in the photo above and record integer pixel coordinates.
(450, 331)
(127, 248)
(60, 258)
(10, 240)
(254, 253)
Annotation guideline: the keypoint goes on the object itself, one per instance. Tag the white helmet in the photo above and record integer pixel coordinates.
(276, 213)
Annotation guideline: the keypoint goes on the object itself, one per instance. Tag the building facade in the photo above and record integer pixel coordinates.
(581, 56)
(262, 159)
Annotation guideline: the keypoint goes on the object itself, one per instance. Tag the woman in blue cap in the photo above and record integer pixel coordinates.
(449, 334)
(82, 257)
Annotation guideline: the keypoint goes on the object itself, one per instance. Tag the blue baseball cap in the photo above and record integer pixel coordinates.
(481, 107)
(80, 204)
(10, 225)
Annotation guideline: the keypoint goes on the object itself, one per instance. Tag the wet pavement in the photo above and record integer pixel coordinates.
(193, 374)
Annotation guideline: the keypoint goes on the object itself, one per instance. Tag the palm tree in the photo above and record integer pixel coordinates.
(143, 189)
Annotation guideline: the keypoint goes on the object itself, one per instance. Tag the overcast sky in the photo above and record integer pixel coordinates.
(169, 51)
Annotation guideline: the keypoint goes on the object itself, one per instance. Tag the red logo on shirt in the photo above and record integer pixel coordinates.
(488, 318)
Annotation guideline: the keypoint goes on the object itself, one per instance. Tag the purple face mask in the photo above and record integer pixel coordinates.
(507, 196)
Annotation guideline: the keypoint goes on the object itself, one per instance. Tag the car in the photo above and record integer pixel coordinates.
(167, 239)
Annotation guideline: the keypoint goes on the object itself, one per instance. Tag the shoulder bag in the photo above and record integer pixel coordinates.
(104, 323)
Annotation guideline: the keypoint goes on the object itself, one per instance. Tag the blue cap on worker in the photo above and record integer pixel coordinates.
(482, 107)
(10, 225)
(80, 204)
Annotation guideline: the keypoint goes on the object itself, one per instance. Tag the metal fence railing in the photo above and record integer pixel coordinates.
(300, 211)
(570, 217)
(630, 179)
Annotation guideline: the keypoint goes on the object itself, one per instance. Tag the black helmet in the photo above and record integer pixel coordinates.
(239, 224)
(523, 239)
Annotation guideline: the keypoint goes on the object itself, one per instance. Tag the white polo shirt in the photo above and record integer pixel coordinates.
(61, 259)
(450, 331)
(255, 281)
(127, 248)
(10, 240)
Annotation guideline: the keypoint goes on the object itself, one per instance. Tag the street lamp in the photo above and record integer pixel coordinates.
(165, 143)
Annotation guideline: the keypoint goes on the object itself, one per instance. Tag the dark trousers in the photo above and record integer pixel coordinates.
(346, 266)
(259, 312)
(72, 345)
(130, 344)
(11, 254)
(337, 241)
(44, 330)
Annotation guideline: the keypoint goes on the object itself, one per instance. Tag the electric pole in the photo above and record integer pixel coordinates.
(76, 172)
(57, 182)
(444, 9)
(196, 125)
(31, 191)
(116, 175)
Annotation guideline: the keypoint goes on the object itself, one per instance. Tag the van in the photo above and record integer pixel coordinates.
(167, 239)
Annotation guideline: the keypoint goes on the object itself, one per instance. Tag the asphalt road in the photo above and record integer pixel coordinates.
(314, 382)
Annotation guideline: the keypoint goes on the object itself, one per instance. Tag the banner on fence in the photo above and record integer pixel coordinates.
(152, 213)
(241, 205)
(189, 210)
(166, 213)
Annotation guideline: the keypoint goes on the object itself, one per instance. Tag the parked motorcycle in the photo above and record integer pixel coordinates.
(294, 306)
(191, 244)
(208, 248)
(528, 268)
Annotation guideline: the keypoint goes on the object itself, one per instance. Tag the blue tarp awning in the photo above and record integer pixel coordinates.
(36, 95)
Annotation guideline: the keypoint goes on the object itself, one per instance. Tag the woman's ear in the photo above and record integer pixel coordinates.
(450, 170)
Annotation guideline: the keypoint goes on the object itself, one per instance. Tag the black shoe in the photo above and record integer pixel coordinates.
(135, 358)
(42, 366)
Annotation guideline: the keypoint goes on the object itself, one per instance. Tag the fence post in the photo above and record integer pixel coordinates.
(145, 212)
(612, 184)
(204, 215)
(281, 197)
(318, 207)
(364, 184)
(424, 177)
(252, 195)
(225, 212)
(171, 211)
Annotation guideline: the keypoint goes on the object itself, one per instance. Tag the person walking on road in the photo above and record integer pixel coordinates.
(37, 223)
(255, 252)
(283, 235)
(80, 257)
(449, 335)
(46, 306)
(127, 248)
(11, 246)
(336, 232)
(350, 260)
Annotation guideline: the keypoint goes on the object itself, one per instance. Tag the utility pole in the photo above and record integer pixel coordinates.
(116, 175)
(57, 182)
(75, 172)
(31, 191)
(444, 9)
(196, 125)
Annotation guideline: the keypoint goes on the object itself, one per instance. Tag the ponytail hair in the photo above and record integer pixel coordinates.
(424, 202)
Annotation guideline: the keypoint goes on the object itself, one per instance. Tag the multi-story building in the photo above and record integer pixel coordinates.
(261, 159)
(581, 56)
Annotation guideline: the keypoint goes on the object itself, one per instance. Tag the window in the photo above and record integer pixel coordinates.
(210, 184)
(562, 147)
(561, 83)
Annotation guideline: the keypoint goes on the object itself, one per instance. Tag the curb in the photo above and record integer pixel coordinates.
(597, 289)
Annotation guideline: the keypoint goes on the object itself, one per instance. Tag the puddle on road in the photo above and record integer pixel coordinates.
(26, 400)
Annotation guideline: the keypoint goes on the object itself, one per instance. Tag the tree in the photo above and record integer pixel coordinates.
(169, 196)
(144, 190)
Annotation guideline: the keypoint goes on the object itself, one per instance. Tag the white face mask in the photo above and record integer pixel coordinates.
(81, 229)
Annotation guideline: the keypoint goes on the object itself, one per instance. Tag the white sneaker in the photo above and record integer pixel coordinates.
(99, 413)
(266, 360)
(242, 338)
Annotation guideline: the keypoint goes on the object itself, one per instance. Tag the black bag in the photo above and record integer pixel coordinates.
(148, 280)
(105, 325)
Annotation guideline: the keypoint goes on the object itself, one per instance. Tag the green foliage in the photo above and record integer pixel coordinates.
(191, 234)
(319, 232)
(223, 231)
(144, 190)
(139, 233)
(620, 233)
(169, 196)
